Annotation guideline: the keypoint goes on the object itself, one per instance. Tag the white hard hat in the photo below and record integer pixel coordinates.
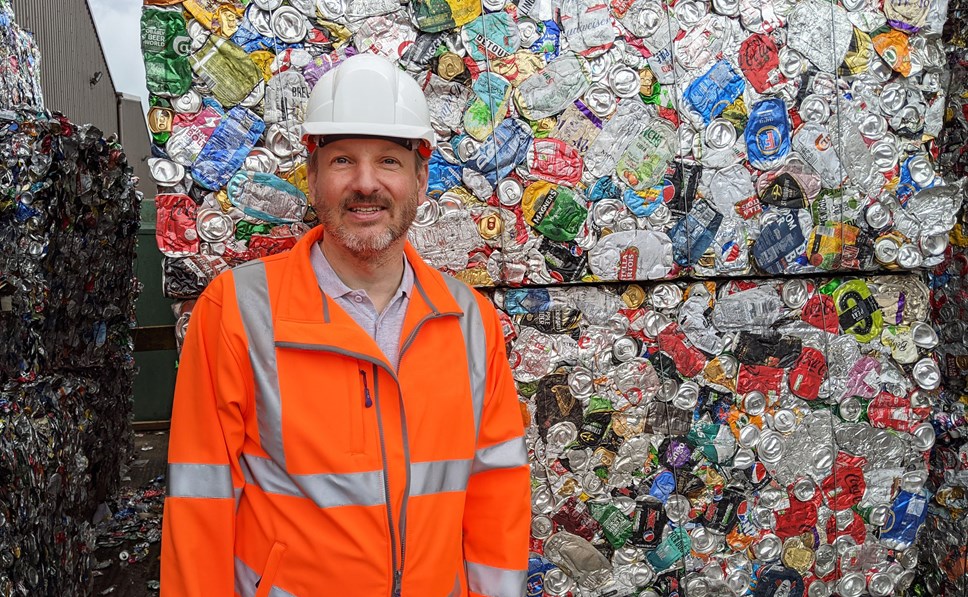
(367, 95)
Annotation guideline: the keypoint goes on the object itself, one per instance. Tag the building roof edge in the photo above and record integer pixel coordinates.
(100, 46)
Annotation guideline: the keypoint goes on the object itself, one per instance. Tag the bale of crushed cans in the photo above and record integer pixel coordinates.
(702, 222)
(69, 214)
(764, 437)
(19, 63)
(579, 141)
(944, 555)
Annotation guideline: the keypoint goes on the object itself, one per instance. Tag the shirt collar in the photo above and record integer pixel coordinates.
(331, 284)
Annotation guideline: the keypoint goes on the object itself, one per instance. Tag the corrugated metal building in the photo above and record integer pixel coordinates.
(74, 73)
(76, 79)
(77, 82)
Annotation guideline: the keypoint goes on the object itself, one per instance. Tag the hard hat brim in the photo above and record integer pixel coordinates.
(366, 129)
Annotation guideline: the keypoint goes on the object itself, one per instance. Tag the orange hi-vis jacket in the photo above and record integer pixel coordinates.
(301, 463)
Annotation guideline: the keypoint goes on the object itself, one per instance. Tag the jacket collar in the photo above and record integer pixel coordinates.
(300, 300)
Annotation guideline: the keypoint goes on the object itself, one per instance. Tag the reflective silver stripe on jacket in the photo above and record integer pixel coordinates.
(325, 490)
(456, 591)
(509, 454)
(247, 580)
(252, 294)
(495, 582)
(438, 476)
(200, 481)
(475, 344)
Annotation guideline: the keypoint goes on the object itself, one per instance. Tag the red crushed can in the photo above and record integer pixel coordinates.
(555, 161)
(759, 378)
(845, 485)
(808, 373)
(798, 518)
(690, 361)
(760, 62)
(574, 518)
(895, 412)
(821, 313)
(176, 233)
(261, 245)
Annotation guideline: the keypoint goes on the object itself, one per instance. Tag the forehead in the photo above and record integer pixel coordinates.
(364, 146)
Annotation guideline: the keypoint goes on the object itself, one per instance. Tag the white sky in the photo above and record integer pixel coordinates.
(119, 27)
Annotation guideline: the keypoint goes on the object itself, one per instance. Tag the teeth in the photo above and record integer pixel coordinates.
(365, 209)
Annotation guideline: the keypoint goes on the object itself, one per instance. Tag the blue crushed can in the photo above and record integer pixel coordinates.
(211, 102)
(443, 175)
(503, 150)
(695, 233)
(663, 486)
(776, 580)
(907, 186)
(768, 134)
(537, 568)
(781, 242)
(907, 515)
(711, 92)
(603, 188)
(642, 204)
(22, 212)
(227, 148)
(248, 37)
(519, 301)
(549, 40)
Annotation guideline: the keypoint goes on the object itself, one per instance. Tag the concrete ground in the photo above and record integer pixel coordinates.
(135, 520)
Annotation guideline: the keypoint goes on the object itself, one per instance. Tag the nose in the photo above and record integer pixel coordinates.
(366, 180)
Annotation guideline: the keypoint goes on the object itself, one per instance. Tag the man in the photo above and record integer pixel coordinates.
(345, 422)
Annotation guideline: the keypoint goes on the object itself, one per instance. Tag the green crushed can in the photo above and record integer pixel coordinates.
(165, 45)
(433, 16)
(227, 69)
(671, 551)
(616, 526)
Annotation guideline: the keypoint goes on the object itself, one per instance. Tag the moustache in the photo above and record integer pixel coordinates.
(369, 200)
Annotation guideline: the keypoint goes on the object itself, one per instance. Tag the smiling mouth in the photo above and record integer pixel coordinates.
(365, 210)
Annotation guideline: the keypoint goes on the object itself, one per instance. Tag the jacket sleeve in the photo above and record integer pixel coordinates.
(497, 513)
(204, 476)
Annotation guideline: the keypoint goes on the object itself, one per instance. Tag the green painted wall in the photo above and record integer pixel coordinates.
(154, 386)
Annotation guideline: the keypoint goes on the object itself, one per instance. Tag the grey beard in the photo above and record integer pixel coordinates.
(371, 246)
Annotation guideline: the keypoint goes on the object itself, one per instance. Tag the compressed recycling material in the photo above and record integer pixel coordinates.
(943, 567)
(68, 218)
(595, 163)
(19, 63)
(715, 437)
(714, 138)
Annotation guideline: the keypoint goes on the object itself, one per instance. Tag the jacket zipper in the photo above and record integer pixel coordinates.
(398, 578)
(367, 399)
(397, 570)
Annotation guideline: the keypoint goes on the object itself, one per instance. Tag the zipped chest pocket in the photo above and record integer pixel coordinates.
(350, 408)
(360, 412)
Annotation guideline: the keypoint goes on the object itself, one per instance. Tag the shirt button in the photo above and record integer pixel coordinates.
(358, 298)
